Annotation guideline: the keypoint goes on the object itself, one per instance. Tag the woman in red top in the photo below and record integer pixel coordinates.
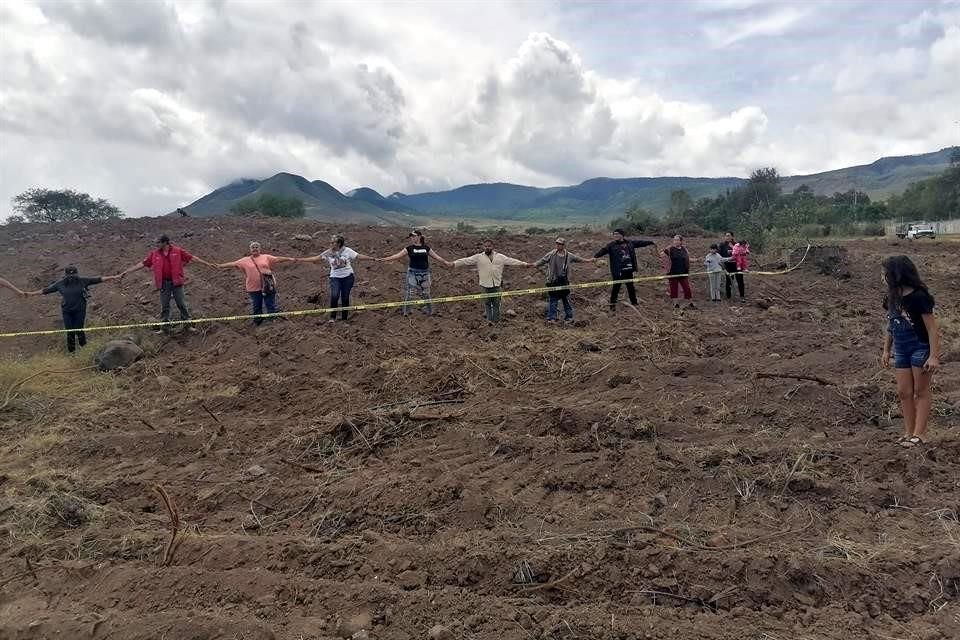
(259, 281)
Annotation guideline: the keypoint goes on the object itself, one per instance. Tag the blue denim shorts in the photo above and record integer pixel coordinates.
(908, 351)
(909, 355)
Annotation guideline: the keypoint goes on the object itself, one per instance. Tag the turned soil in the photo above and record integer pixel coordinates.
(627, 476)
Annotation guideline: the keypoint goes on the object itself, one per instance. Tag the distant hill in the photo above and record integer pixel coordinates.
(320, 200)
(878, 179)
(594, 200)
(368, 195)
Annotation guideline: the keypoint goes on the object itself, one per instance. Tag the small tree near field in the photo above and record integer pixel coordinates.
(62, 205)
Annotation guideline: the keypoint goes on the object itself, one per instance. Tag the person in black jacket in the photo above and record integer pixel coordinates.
(73, 289)
(623, 263)
(726, 251)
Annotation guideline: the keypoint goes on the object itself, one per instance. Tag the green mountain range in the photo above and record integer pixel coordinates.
(593, 201)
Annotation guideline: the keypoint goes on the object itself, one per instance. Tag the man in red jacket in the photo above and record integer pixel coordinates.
(166, 262)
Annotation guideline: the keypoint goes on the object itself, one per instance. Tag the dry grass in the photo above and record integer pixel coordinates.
(861, 554)
(34, 397)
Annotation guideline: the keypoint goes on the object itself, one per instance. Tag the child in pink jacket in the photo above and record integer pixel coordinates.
(741, 255)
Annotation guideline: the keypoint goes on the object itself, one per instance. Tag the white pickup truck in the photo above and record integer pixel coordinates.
(916, 230)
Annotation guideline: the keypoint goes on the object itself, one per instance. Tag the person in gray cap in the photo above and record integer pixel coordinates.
(73, 290)
(558, 275)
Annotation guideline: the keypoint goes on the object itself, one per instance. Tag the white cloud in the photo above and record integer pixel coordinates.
(152, 105)
(743, 27)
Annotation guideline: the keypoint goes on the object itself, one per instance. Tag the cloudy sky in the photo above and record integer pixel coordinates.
(152, 103)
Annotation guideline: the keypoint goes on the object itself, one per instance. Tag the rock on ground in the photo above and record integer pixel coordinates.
(118, 354)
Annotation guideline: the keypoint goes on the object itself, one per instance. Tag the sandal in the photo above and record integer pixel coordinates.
(903, 439)
(913, 441)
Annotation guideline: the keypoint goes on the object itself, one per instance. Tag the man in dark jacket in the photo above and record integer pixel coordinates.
(623, 263)
(73, 290)
(726, 251)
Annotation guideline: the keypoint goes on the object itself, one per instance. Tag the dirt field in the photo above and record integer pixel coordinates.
(628, 477)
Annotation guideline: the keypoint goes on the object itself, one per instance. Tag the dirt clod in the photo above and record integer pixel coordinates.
(440, 632)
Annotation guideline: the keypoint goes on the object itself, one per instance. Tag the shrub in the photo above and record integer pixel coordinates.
(271, 205)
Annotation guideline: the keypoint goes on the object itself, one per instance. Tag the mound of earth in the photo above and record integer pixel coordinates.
(629, 476)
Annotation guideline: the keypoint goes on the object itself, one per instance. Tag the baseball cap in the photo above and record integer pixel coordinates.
(561, 241)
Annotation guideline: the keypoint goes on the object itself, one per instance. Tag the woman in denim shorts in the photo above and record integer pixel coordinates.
(915, 340)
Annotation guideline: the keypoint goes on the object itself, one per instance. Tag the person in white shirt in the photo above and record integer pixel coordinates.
(340, 258)
(490, 266)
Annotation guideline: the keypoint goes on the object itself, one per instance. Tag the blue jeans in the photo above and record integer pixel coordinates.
(340, 295)
(418, 280)
(258, 300)
(491, 305)
(908, 351)
(552, 308)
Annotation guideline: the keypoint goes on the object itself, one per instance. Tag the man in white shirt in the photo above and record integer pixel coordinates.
(490, 266)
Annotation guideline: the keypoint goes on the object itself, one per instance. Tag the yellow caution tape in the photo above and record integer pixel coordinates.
(391, 305)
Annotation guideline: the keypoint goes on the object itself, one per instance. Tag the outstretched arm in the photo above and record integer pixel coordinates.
(312, 259)
(398, 255)
(9, 285)
(437, 256)
(135, 267)
(201, 261)
(361, 256)
(469, 261)
(516, 262)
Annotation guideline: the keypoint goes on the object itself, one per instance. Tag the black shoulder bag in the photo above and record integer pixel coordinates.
(268, 285)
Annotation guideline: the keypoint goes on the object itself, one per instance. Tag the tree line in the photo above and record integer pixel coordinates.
(759, 209)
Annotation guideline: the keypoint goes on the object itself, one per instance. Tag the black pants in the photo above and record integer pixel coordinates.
(733, 272)
(340, 295)
(74, 319)
(615, 289)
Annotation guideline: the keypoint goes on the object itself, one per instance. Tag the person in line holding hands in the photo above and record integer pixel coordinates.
(259, 281)
(340, 258)
(418, 278)
(490, 264)
(715, 270)
(74, 291)
(623, 263)
(558, 275)
(167, 262)
(678, 268)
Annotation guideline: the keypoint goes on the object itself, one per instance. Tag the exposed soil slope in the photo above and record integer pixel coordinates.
(625, 477)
